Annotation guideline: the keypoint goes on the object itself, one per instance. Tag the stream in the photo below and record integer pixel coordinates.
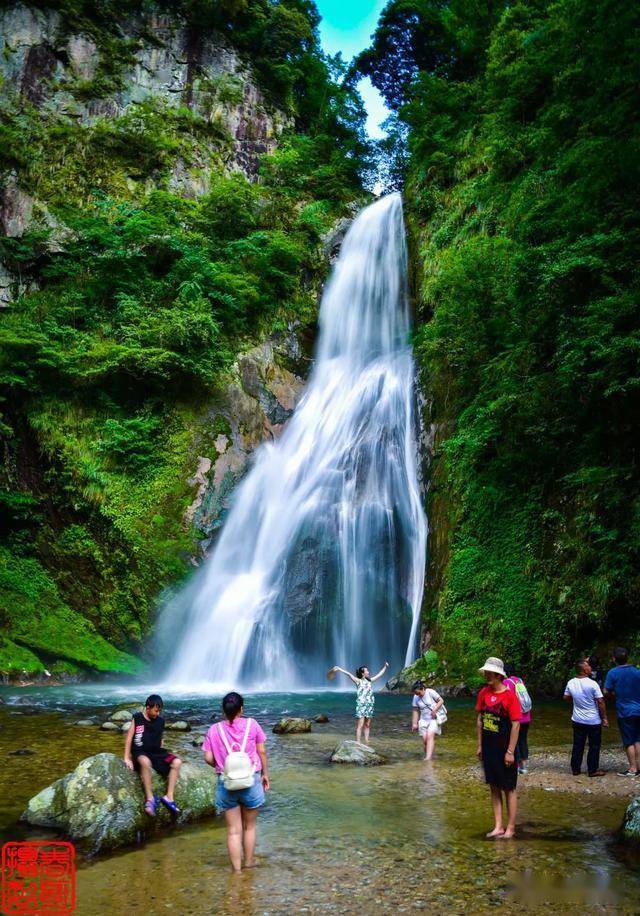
(406, 837)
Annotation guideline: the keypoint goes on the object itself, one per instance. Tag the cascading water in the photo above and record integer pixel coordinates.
(322, 557)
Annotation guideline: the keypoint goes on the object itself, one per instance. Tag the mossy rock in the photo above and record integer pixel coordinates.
(121, 715)
(110, 727)
(292, 727)
(357, 754)
(180, 726)
(631, 823)
(100, 804)
(86, 722)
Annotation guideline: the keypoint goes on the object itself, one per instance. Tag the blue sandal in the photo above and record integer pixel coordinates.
(151, 806)
(171, 806)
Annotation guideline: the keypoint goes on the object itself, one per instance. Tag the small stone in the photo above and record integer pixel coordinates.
(110, 727)
(322, 718)
(23, 752)
(292, 726)
(85, 722)
(198, 741)
(180, 726)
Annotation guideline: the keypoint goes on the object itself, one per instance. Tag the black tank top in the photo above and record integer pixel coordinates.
(148, 734)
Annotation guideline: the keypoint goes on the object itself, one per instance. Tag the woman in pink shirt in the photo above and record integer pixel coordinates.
(232, 736)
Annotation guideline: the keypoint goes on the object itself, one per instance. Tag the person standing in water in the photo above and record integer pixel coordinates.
(426, 703)
(236, 749)
(499, 714)
(365, 700)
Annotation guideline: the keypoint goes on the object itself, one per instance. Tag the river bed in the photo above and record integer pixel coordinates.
(406, 837)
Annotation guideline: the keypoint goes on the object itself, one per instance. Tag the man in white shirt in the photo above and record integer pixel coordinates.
(588, 717)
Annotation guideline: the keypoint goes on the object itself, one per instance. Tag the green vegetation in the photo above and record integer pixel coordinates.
(137, 300)
(521, 183)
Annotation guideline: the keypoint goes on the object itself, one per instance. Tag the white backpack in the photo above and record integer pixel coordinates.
(238, 770)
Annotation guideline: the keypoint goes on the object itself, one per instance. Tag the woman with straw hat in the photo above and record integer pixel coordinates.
(499, 714)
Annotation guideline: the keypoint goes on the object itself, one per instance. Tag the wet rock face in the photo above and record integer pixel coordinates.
(253, 409)
(172, 62)
(361, 755)
(631, 824)
(99, 805)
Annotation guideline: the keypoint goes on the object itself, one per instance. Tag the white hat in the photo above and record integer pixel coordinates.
(495, 665)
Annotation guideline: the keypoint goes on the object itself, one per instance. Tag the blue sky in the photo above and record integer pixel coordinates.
(347, 26)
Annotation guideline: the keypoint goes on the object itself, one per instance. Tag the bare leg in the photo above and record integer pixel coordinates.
(172, 778)
(233, 820)
(632, 757)
(145, 776)
(429, 745)
(496, 804)
(367, 726)
(637, 746)
(359, 725)
(512, 810)
(249, 818)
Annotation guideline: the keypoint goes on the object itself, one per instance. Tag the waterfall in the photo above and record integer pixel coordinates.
(321, 559)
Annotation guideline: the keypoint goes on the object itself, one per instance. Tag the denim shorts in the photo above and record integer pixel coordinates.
(252, 797)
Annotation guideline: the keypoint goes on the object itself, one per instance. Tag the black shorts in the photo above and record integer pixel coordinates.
(160, 760)
(496, 772)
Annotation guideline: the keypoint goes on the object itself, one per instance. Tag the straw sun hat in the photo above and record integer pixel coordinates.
(495, 665)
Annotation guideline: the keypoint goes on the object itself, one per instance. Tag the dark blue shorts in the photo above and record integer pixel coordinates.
(248, 798)
(629, 729)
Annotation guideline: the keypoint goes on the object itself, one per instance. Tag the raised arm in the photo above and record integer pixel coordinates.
(380, 672)
(348, 673)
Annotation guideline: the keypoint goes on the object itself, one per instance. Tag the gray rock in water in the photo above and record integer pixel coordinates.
(631, 823)
(100, 804)
(292, 727)
(359, 754)
(110, 727)
(23, 752)
(125, 727)
(86, 722)
(179, 726)
(121, 715)
(322, 719)
(198, 741)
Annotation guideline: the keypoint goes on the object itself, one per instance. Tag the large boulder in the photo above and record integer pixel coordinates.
(292, 727)
(631, 823)
(359, 754)
(100, 804)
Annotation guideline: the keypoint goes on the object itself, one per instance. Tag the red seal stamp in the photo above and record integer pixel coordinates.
(38, 878)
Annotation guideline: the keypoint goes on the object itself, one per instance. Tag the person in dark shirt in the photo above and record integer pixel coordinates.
(499, 715)
(144, 751)
(623, 683)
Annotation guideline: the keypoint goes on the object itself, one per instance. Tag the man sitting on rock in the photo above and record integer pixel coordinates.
(143, 750)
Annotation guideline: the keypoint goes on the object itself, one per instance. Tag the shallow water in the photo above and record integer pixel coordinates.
(404, 837)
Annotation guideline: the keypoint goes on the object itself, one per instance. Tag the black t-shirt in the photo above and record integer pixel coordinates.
(147, 737)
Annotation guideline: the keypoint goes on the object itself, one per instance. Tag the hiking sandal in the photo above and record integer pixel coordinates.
(151, 806)
(171, 806)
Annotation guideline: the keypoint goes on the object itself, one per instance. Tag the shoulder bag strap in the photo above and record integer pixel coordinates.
(243, 746)
(223, 735)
